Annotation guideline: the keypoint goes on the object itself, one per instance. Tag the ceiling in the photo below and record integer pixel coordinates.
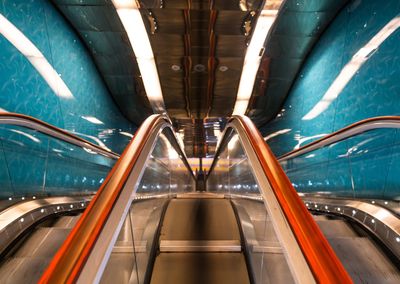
(298, 26)
(199, 48)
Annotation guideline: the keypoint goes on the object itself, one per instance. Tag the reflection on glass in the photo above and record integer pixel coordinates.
(165, 175)
(34, 164)
(363, 166)
(232, 174)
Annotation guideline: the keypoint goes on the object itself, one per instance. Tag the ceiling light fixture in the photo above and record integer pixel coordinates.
(35, 57)
(129, 14)
(253, 57)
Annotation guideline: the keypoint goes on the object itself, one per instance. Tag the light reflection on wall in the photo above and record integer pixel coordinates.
(352, 67)
(35, 57)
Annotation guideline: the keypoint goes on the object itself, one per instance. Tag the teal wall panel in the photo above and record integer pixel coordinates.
(31, 163)
(354, 69)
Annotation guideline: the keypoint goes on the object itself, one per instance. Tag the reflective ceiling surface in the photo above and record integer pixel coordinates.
(199, 48)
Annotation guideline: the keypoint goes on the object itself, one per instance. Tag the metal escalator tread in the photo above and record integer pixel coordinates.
(44, 242)
(202, 240)
(66, 222)
(333, 228)
(199, 219)
(31, 258)
(364, 261)
(24, 270)
(180, 268)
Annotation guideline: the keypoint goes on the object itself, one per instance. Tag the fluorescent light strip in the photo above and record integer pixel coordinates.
(351, 68)
(35, 57)
(128, 12)
(252, 59)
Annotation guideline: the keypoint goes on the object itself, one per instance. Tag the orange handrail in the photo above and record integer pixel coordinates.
(71, 257)
(322, 260)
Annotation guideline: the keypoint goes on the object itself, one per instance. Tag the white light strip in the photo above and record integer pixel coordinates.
(277, 133)
(92, 119)
(352, 67)
(96, 139)
(307, 138)
(252, 59)
(126, 134)
(35, 57)
(33, 138)
(128, 12)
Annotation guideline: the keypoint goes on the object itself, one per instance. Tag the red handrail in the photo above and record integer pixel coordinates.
(322, 260)
(71, 257)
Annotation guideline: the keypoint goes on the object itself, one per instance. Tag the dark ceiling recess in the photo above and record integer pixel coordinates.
(297, 28)
(99, 27)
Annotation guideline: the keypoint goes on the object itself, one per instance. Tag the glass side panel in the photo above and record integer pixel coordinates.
(363, 166)
(33, 164)
(164, 175)
(233, 175)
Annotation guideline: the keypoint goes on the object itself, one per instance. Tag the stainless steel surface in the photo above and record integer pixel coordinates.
(17, 218)
(333, 228)
(364, 262)
(197, 195)
(201, 268)
(360, 255)
(23, 270)
(29, 258)
(199, 219)
(54, 132)
(200, 243)
(380, 221)
(369, 125)
(200, 246)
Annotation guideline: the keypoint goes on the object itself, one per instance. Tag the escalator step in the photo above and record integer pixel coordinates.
(200, 219)
(43, 242)
(179, 268)
(67, 222)
(334, 228)
(24, 270)
(364, 261)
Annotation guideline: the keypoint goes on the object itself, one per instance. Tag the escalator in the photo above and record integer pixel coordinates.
(200, 242)
(148, 224)
(32, 252)
(362, 257)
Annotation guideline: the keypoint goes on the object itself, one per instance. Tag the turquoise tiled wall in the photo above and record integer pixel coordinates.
(29, 165)
(373, 90)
